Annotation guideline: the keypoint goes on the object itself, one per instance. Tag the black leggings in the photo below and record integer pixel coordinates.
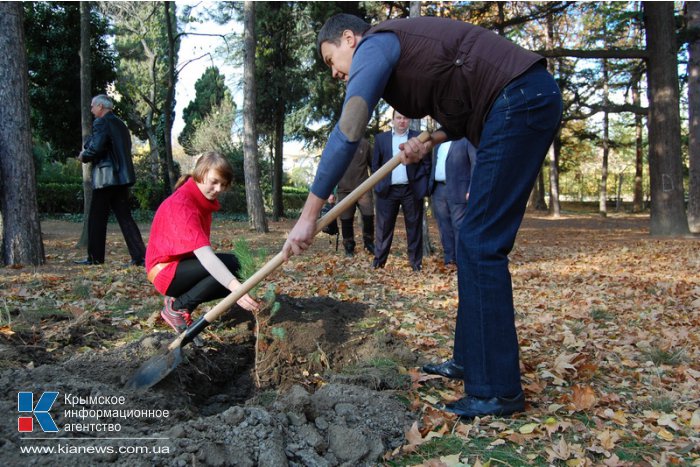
(193, 285)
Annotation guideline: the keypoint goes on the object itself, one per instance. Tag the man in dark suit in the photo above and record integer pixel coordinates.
(405, 187)
(109, 150)
(449, 190)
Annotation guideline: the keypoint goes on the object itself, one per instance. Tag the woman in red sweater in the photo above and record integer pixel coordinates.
(180, 261)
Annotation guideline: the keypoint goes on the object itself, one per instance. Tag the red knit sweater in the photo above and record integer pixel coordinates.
(181, 225)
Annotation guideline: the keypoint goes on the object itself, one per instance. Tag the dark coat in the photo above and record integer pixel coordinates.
(358, 170)
(110, 142)
(458, 170)
(418, 173)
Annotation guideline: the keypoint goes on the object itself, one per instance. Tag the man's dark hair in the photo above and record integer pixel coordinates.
(333, 29)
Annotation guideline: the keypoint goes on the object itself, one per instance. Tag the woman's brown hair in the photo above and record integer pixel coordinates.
(210, 160)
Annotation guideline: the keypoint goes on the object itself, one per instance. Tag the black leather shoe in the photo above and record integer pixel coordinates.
(87, 262)
(471, 406)
(376, 265)
(137, 262)
(448, 369)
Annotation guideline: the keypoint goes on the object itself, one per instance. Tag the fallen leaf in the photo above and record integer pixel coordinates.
(608, 439)
(451, 461)
(430, 399)
(528, 428)
(413, 435)
(666, 419)
(695, 419)
(664, 434)
(584, 398)
(559, 451)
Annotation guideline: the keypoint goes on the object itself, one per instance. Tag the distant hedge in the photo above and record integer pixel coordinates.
(293, 198)
(233, 200)
(53, 197)
(67, 197)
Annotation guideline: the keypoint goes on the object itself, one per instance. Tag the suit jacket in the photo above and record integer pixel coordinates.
(110, 142)
(418, 173)
(458, 169)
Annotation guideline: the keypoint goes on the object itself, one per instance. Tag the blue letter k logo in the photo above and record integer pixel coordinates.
(25, 403)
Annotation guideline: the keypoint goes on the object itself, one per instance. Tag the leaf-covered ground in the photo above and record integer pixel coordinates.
(608, 320)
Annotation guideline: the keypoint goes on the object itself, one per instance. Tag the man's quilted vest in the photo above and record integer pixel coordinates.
(451, 70)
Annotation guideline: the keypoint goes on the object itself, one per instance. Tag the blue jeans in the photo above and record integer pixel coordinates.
(517, 133)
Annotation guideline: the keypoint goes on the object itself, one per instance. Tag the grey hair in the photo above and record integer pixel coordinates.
(333, 29)
(104, 100)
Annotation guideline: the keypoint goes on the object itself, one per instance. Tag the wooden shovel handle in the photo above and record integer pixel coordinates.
(278, 259)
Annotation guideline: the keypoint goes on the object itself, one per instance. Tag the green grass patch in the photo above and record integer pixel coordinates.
(369, 323)
(662, 404)
(576, 327)
(81, 290)
(469, 451)
(665, 357)
(42, 309)
(383, 363)
(634, 452)
(600, 314)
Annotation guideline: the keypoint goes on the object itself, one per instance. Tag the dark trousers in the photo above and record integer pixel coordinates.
(116, 199)
(449, 216)
(387, 211)
(193, 285)
(517, 133)
(366, 206)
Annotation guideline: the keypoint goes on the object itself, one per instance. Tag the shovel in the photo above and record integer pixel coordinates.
(160, 366)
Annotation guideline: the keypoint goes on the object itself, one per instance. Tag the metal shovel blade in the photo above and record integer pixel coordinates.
(155, 369)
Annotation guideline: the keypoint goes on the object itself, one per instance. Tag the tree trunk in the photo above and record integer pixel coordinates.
(278, 166)
(693, 16)
(665, 167)
(501, 18)
(254, 198)
(536, 201)
(171, 20)
(555, 148)
(554, 205)
(603, 194)
(85, 115)
(638, 203)
(21, 231)
(618, 199)
(151, 126)
(540, 203)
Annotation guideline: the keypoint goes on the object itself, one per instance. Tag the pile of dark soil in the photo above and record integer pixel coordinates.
(210, 411)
